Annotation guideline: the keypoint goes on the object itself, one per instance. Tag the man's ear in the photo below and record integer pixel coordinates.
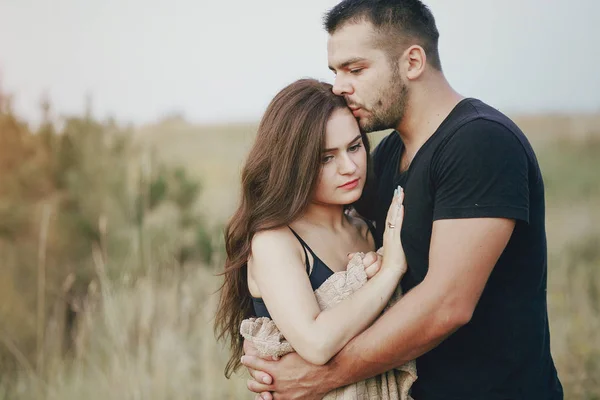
(415, 61)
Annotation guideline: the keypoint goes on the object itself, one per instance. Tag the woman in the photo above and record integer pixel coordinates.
(290, 232)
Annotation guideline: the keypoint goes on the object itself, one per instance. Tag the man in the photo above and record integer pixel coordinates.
(474, 314)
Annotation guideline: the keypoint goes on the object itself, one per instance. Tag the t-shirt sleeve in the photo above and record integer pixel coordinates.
(481, 172)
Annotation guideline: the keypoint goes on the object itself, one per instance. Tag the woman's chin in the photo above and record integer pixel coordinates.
(341, 199)
(351, 198)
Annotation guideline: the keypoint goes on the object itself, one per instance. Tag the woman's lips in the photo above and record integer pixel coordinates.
(350, 185)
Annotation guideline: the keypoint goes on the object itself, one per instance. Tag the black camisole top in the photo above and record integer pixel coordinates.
(319, 274)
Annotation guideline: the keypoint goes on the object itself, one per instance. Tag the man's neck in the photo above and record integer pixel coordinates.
(427, 108)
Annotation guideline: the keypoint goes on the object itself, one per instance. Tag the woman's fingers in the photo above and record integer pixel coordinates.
(400, 206)
(395, 212)
(392, 244)
(372, 270)
(400, 203)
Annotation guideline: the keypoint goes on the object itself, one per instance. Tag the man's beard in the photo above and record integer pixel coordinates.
(390, 109)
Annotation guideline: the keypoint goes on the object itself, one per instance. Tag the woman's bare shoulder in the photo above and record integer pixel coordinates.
(272, 250)
(275, 244)
(269, 237)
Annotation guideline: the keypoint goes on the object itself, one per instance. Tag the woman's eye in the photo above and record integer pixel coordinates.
(326, 159)
(355, 70)
(355, 147)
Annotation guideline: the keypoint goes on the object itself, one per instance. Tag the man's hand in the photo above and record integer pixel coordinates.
(258, 376)
(292, 378)
(372, 263)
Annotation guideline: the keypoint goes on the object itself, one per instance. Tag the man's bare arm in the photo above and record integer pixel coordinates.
(463, 253)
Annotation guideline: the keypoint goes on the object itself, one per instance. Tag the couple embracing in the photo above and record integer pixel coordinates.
(416, 270)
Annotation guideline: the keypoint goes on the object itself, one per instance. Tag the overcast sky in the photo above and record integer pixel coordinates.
(224, 60)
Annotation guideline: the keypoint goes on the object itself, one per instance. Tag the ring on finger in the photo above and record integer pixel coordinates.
(390, 225)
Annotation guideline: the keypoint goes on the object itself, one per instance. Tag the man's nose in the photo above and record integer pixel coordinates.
(341, 86)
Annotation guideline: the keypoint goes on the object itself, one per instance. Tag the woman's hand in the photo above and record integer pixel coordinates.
(393, 253)
(372, 263)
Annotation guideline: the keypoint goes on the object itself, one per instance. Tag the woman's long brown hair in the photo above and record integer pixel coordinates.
(278, 181)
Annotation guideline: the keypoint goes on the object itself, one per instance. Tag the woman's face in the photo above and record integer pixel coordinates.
(344, 161)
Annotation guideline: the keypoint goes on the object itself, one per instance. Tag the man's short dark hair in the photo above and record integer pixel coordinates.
(401, 23)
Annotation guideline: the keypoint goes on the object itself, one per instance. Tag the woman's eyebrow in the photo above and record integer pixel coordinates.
(352, 141)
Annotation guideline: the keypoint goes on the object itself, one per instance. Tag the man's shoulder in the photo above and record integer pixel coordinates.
(476, 114)
(476, 123)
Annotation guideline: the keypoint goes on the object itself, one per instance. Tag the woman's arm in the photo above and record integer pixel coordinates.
(279, 272)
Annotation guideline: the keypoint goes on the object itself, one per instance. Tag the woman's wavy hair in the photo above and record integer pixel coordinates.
(278, 181)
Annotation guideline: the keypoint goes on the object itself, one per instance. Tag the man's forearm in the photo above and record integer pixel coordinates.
(420, 321)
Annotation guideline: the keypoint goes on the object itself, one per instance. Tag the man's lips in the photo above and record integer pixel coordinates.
(355, 110)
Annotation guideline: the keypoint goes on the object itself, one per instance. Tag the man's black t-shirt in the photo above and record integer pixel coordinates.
(477, 164)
